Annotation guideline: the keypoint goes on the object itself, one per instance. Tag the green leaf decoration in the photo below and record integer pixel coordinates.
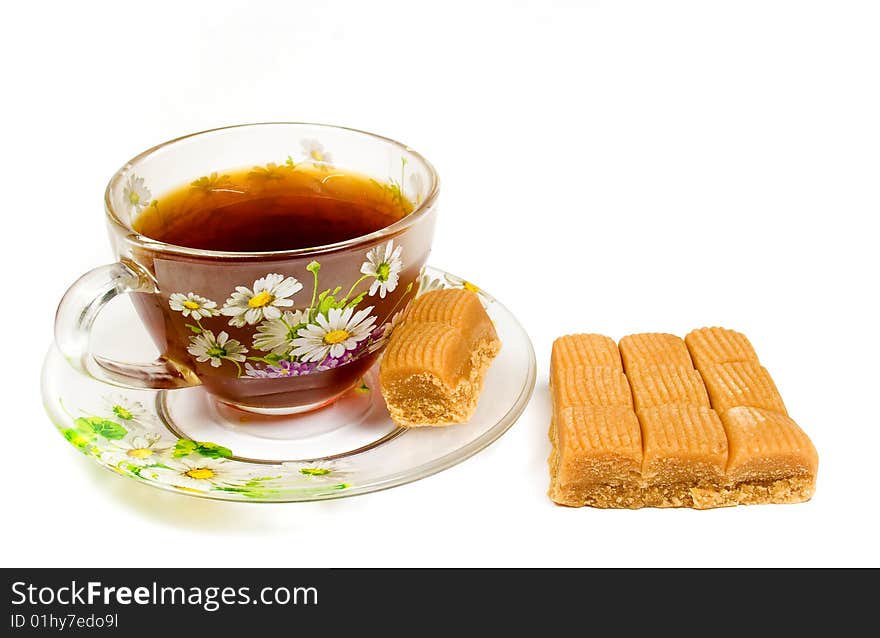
(102, 427)
(328, 300)
(84, 427)
(270, 358)
(314, 471)
(250, 492)
(331, 488)
(185, 447)
(256, 482)
(295, 329)
(354, 302)
(256, 488)
(194, 329)
(134, 469)
(325, 305)
(213, 451)
(78, 438)
(391, 189)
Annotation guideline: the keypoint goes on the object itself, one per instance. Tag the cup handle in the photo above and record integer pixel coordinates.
(81, 305)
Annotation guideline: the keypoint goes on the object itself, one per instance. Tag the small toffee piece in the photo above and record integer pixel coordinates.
(432, 370)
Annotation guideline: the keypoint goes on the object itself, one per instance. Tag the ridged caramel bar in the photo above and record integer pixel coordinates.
(654, 349)
(682, 444)
(711, 346)
(596, 458)
(766, 447)
(741, 383)
(432, 371)
(590, 350)
(583, 385)
(661, 385)
(732, 445)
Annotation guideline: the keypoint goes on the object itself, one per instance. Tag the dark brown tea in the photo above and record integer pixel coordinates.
(272, 208)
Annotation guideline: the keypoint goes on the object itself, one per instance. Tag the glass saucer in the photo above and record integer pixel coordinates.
(185, 441)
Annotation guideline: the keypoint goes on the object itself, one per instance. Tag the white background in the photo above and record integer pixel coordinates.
(609, 167)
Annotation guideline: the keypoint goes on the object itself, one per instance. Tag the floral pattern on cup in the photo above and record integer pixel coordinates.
(135, 194)
(130, 440)
(315, 153)
(332, 331)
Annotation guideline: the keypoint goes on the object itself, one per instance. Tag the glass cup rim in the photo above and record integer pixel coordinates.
(419, 211)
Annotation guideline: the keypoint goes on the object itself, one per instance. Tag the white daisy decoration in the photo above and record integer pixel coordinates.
(315, 152)
(206, 347)
(135, 194)
(269, 295)
(192, 304)
(200, 473)
(253, 372)
(427, 283)
(317, 470)
(277, 335)
(457, 282)
(332, 335)
(214, 183)
(126, 411)
(139, 449)
(383, 263)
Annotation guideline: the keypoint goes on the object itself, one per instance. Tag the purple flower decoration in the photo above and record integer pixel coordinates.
(334, 362)
(286, 368)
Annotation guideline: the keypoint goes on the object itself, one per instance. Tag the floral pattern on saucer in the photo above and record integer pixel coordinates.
(130, 440)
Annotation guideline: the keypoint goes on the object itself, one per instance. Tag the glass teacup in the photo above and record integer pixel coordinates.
(220, 319)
